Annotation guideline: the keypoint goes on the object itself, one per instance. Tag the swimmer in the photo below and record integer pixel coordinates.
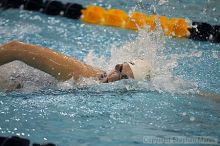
(64, 68)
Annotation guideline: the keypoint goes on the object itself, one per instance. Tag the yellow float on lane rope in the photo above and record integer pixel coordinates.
(93, 14)
(118, 18)
(115, 17)
(135, 21)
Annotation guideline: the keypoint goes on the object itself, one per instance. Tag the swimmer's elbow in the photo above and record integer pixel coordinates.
(10, 44)
(13, 43)
(8, 53)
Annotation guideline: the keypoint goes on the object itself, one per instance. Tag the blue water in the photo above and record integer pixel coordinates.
(120, 113)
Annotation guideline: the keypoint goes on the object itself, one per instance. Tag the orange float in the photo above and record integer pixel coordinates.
(181, 28)
(136, 20)
(164, 22)
(178, 27)
(151, 22)
(115, 17)
(93, 14)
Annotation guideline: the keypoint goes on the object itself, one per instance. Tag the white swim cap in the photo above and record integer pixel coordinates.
(141, 69)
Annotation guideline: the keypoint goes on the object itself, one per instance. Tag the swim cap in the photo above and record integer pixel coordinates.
(141, 69)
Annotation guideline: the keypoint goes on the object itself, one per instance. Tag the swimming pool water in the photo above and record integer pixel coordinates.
(120, 113)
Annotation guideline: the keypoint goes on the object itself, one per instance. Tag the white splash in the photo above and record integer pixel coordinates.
(148, 46)
(162, 2)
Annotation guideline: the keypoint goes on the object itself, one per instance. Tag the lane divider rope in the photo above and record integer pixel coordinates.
(177, 27)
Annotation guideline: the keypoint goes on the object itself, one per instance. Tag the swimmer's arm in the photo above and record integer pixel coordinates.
(53, 63)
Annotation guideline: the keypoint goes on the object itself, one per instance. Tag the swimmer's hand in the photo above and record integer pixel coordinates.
(8, 86)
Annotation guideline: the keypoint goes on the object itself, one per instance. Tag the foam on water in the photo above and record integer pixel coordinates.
(29, 78)
(118, 113)
(149, 46)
